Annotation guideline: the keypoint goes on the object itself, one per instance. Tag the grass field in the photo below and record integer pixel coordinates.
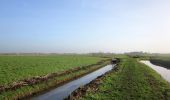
(133, 81)
(14, 68)
(163, 61)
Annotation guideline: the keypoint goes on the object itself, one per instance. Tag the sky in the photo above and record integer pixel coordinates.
(83, 26)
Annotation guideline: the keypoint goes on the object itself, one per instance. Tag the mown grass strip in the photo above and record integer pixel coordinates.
(133, 81)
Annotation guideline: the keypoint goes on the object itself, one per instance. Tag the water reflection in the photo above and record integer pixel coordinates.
(164, 72)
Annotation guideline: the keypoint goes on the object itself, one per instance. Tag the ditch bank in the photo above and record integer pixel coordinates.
(164, 72)
(65, 90)
(92, 86)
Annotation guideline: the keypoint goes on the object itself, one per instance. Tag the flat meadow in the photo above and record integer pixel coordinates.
(19, 67)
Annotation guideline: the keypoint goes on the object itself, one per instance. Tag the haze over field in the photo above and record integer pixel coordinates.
(84, 26)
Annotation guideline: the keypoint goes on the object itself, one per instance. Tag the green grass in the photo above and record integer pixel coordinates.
(133, 81)
(14, 68)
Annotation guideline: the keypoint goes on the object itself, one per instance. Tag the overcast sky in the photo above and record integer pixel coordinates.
(84, 26)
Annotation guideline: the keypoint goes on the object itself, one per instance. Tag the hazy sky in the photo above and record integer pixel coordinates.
(84, 26)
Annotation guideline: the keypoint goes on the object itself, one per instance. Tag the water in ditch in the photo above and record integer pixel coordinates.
(164, 72)
(65, 90)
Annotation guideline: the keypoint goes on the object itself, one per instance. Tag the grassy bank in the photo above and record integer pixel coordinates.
(163, 61)
(132, 81)
(32, 89)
